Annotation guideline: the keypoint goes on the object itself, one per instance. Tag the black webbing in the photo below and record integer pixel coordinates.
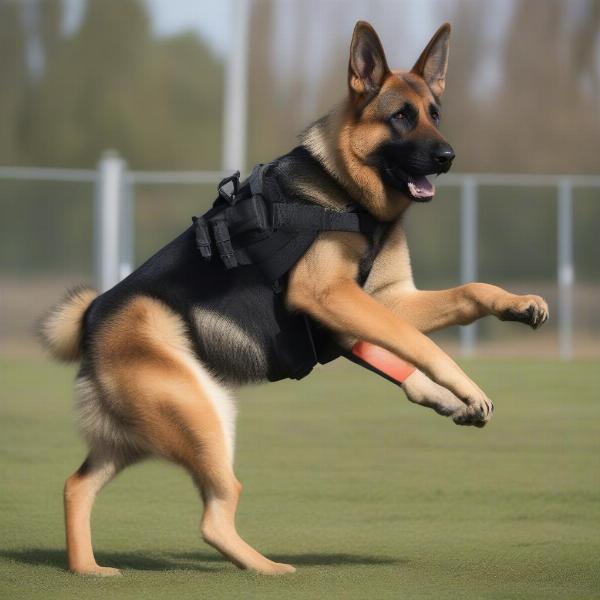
(302, 217)
(285, 229)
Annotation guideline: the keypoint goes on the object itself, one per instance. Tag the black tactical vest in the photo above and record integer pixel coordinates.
(254, 224)
(232, 264)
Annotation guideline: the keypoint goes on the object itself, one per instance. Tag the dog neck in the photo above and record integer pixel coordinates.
(329, 140)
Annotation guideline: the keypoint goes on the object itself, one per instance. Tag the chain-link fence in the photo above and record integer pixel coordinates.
(61, 227)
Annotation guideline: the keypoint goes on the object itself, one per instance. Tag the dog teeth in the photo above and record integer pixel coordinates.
(423, 190)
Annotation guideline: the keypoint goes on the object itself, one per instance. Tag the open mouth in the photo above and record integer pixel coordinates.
(418, 187)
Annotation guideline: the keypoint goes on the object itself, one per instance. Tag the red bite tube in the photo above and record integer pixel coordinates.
(381, 361)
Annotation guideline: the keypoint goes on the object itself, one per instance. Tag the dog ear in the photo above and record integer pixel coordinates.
(367, 68)
(433, 62)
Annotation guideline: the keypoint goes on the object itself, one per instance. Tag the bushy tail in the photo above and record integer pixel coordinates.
(60, 330)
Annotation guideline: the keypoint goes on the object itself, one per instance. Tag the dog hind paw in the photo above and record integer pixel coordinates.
(97, 571)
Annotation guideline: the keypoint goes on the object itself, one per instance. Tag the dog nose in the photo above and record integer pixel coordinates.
(444, 154)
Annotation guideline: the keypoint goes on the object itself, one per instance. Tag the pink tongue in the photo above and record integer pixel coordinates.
(420, 187)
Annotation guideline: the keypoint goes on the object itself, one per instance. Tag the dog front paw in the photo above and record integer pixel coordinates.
(475, 411)
(531, 310)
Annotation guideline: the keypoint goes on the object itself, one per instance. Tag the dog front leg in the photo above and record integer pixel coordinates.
(418, 388)
(433, 310)
(345, 308)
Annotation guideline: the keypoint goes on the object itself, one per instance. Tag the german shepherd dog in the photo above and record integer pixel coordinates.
(157, 369)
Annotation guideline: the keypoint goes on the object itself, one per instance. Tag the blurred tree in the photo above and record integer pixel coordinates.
(585, 42)
(12, 79)
(158, 101)
(541, 119)
(268, 132)
(110, 85)
(43, 32)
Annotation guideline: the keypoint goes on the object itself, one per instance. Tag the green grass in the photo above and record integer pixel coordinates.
(368, 495)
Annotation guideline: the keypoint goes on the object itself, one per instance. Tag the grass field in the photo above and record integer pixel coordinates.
(369, 496)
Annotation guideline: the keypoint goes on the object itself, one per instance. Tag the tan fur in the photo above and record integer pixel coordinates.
(342, 141)
(60, 329)
(144, 346)
(391, 282)
(389, 312)
(142, 392)
(100, 423)
(79, 495)
(321, 140)
(433, 62)
(152, 397)
(342, 144)
(335, 142)
(323, 284)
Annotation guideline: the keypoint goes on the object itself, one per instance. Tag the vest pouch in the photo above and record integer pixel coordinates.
(247, 215)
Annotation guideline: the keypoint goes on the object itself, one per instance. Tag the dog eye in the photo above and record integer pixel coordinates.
(435, 115)
(406, 115)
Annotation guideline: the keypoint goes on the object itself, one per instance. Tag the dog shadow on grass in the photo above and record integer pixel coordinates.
(309, 559)
(56, 558)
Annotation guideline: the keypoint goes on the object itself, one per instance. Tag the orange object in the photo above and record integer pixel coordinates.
(382, 361)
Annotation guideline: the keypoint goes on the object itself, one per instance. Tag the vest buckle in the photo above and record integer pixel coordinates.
(228, 188)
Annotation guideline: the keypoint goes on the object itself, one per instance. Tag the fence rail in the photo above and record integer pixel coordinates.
(114, 223)
(48, 174)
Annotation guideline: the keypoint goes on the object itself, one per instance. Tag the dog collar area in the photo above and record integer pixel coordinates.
(254, 222)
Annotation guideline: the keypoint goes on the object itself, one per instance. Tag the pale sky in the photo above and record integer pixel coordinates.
(208, 17)
(417, 21)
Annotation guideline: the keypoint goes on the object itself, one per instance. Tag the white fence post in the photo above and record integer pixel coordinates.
(468, 254)
(127, 228)
(236, 91)
(566, 270)
(108, 201)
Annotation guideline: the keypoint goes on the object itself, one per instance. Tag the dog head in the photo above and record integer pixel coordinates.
(389, 140)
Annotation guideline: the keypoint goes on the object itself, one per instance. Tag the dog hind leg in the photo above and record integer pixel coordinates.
(175, 409)
(180, 417)
(79, 495)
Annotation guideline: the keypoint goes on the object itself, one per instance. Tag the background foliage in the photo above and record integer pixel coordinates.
(523, 96)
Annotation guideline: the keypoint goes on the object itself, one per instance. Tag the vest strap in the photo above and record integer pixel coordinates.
(300, 217)
(254, 223)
